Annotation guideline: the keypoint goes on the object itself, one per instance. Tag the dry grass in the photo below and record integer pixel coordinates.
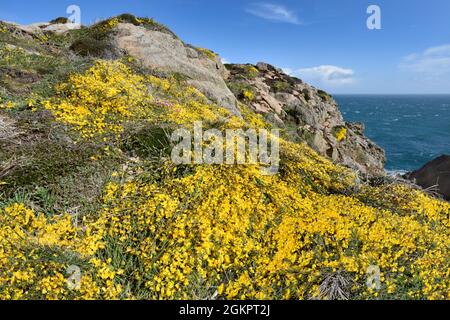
(8, 132)
(336, 286)
(389, 181)
(8, 166)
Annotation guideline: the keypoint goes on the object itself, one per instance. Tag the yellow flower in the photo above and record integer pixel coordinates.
(341, 134)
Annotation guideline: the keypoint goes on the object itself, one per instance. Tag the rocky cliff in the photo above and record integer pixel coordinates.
(308, 114)
(304, 112)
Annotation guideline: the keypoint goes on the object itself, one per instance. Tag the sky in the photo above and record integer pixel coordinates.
(324, 42)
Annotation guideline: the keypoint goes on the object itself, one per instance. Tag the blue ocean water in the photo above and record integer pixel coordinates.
(412, 129)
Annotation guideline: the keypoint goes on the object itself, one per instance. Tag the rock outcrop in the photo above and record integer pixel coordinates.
(58, 28)
(435, 174)
(307, 114)
(164, 51)
(160, 49)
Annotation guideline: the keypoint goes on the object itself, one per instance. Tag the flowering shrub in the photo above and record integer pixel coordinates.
(35, 253)
(252, 72)
(100, 102)
(341, 134)
(176, 232)
(248, 95)
(7, 105)
(109, 96)
(208, 53)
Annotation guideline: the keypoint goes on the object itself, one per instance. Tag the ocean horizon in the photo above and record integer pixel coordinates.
(413, 129)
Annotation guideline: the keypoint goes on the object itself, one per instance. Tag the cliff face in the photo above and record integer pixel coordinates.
(308, 114)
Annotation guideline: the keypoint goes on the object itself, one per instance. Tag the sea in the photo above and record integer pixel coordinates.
(412, 129)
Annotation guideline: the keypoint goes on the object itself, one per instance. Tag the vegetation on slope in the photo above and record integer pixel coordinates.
(88, 183)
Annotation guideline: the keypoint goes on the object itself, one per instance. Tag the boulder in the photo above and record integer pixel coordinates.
(58, 28)
(164, 51)
(31, 28)
(434, 173)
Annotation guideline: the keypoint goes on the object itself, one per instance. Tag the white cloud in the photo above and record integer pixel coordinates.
(273, 12)
(434, 61)
(288, 71)
(327, 75)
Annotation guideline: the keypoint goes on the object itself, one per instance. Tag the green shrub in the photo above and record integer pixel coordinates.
(148, 23)
(208, 53)
(60, 20)
(325, 96)
(148, 142)
(92, 47)
(280, 86)
(252, 72)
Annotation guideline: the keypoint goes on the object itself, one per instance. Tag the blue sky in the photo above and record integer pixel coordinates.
(324, 42)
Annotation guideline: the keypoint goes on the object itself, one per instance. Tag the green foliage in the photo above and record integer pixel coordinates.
(44, 166)
(59, 20)
(325, 96)
(11, 35)
(208, 53)
(251, 72)
(23, 72)
(340, 133)
(148, 142)
(159, 230)
(242, 90)
(243, 71)
(280, 86)
(91, 47)
(148, 23)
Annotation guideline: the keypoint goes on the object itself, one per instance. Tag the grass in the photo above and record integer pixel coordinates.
(9, 34)
(91, 47)
(57, 182)
(44, 163)
(42, 166)
(148, 142)
(23, 72)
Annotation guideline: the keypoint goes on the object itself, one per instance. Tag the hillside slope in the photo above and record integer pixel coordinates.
(92, 206)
